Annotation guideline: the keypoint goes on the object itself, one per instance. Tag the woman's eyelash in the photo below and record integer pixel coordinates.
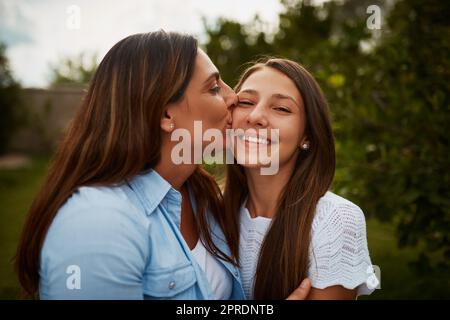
(215, 89)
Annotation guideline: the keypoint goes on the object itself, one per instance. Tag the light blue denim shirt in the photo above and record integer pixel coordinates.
(124, 242)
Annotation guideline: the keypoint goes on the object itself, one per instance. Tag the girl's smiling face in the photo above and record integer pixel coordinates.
(268, 99)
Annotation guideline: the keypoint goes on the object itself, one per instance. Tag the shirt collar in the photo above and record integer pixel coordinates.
(151, 189)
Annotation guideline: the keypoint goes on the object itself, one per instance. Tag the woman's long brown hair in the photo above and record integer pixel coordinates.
(116, 135)
(284, 257)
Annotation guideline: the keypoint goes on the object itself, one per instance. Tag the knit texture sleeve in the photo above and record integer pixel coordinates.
(339, 252)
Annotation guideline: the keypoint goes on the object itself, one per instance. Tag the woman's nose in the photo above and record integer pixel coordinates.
(230, 97)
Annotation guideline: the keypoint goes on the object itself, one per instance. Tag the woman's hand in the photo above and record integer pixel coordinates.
(302, 291)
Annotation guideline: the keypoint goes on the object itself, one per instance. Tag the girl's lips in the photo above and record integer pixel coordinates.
(255, 139)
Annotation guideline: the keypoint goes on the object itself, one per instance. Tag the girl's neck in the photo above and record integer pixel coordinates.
(264, 190)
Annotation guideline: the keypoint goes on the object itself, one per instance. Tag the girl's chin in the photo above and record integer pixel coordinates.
(251, 166)
(252, 163)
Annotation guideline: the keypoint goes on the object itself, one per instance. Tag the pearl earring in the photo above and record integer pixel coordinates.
(172, 126)
(305, 146)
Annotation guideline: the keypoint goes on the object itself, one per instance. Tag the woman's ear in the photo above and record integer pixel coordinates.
(167, 120)
(173, 112)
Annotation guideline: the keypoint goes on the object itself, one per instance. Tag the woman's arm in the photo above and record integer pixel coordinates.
(306, 292)
(93, 253)
(332, 293)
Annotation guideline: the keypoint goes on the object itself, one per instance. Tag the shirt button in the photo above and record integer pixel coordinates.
(172, 285)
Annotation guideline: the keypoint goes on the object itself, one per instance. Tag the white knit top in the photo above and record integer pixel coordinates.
(338, 251)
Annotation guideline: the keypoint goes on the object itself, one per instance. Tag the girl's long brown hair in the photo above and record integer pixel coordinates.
(284, 257)
(116, 135)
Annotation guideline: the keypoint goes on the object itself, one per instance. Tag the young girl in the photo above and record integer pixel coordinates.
(291, 226)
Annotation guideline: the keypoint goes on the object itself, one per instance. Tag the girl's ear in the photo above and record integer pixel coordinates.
(304, 144)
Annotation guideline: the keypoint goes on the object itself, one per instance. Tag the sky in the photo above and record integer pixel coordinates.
(39, 33)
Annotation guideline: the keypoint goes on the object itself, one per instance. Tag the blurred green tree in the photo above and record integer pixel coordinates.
(389, 94)
(77, 70)
(230, 45)
(400, 117)
(10, 102)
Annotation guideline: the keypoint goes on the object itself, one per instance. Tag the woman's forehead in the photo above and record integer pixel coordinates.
(204, 67)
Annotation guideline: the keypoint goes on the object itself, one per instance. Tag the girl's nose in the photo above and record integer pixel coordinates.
(257, 117)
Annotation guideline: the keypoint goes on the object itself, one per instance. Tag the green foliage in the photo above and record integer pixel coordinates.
(18, 187)
(11, 114)
(230, 45)
(76, 70)
(388, 91)
(406, 111)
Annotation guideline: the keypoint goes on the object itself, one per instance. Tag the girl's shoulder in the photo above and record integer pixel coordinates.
(333, 200)
(337, 213)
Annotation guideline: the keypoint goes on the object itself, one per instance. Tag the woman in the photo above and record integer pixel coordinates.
(291, 226)
(114, 218)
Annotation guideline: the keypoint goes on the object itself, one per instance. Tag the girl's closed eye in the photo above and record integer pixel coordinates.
(282, 109)
(245, 103)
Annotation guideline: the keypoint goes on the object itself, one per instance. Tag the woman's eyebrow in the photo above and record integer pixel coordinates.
(213, 75)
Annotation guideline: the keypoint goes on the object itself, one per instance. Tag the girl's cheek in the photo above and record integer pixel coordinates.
(237, 115)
